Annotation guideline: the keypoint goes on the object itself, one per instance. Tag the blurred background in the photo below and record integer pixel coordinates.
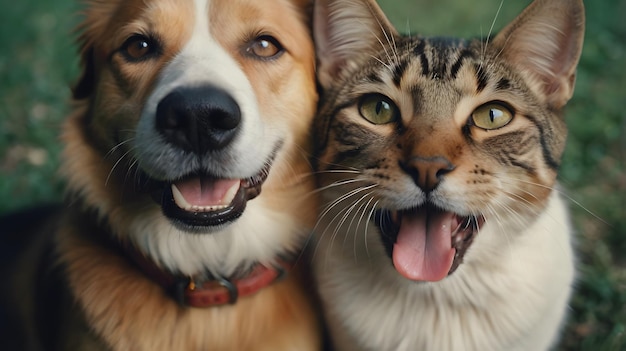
(39, 62)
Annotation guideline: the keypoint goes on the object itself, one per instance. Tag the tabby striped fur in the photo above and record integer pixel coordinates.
(406, 156)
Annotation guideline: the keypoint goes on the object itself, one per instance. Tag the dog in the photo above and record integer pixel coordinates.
(188, 183)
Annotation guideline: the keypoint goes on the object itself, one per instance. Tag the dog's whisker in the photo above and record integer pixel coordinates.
(112, 171)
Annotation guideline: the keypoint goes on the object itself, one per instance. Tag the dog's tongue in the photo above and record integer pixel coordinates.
(204, 194)
(423, 249)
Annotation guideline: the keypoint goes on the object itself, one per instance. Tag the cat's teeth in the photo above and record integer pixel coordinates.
(462, 227)
(456, 239)
(457, 229)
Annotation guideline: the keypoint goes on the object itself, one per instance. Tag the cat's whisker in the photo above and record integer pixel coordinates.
(349, 171)
(563, 194)
(339, 183)
(534, 210)
(343, 213)
(345, 216)
(493, 23)
(499, 222)
(519, 198)
(382, 63)
(335, 202)
(298, 178)
(467, 224)
(361, 210)
(475, 219)
(367, 223)
(519, 201)
(339, 167)
(332, 205)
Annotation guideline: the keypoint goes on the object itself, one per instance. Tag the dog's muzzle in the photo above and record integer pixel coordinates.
(201, 121)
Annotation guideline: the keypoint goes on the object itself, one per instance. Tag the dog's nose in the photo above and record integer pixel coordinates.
(198, 119)
(427, 172)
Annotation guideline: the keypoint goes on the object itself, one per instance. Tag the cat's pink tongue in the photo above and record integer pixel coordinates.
(204, 194)
(423, 249)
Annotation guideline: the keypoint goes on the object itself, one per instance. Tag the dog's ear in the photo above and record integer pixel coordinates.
(346, 32)
(86, 83)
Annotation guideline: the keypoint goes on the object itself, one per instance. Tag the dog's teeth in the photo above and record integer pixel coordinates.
(230, 194)
(179, 199)
(228, 198)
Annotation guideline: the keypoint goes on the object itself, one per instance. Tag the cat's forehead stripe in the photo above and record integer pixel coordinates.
(503, 84)
(459, 62)
(436, 55)
(482, 77)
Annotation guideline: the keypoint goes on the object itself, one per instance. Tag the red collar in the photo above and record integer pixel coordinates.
(207, 293)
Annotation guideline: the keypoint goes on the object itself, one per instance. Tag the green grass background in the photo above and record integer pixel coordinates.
(38, 63)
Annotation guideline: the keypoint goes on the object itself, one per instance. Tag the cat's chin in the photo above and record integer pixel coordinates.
(427, 243)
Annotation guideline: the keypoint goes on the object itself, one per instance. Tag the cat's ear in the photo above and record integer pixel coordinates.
(546, 40)
(346, 31)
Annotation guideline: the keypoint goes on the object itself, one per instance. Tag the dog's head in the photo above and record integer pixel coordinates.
(189, 109)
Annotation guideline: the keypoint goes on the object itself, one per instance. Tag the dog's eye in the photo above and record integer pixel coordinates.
(138, 48)
(264, 47)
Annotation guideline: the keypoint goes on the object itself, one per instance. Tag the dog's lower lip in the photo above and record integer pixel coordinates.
(194, 218)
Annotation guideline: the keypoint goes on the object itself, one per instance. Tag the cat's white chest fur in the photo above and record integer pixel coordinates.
(510, 293)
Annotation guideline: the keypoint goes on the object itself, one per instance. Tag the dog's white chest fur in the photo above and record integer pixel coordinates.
(510, 293)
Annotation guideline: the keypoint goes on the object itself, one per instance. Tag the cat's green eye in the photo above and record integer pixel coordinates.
(378, 109)
(491, 116)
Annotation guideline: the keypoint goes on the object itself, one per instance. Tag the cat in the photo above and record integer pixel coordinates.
(441, 225)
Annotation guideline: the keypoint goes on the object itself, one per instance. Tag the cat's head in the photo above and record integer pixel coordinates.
(433, 138)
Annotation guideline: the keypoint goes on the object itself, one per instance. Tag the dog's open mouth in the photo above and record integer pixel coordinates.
(426, 243)
(202, 201)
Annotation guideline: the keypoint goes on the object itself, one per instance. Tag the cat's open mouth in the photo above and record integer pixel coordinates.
(426, 243)
(200, 200)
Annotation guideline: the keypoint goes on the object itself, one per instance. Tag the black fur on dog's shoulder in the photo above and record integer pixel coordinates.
(34, 290)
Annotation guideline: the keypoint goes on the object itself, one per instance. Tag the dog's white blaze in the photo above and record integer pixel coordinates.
(203, 61)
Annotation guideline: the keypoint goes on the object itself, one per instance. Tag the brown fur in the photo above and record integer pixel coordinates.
(108, 303)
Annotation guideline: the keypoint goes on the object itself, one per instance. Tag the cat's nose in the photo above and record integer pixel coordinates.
(427, 172)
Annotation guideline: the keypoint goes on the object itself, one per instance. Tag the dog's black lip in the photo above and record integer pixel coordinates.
(388, 224)
(200, 221)
(195, 220)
